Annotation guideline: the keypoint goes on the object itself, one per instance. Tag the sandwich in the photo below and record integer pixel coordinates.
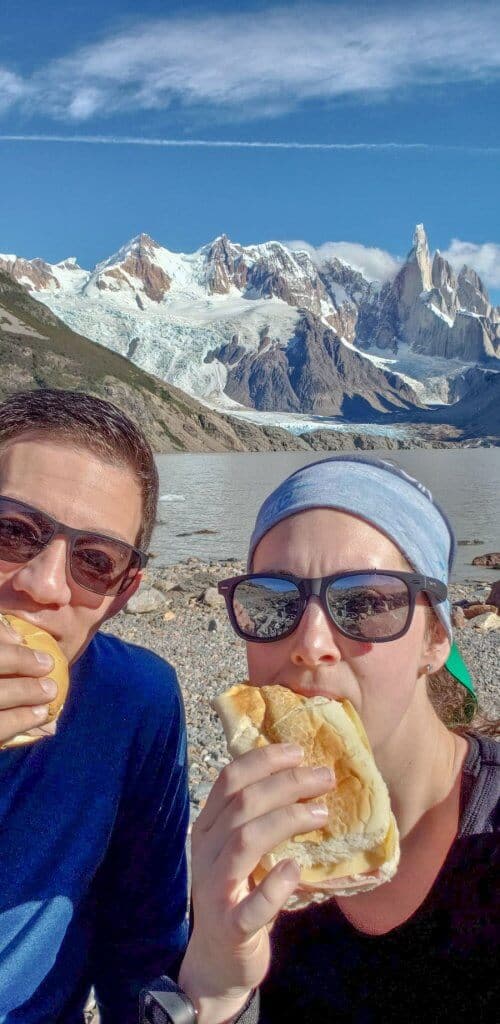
(36, 638)
(358, 847)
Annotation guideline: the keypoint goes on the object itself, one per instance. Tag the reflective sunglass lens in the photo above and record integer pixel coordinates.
(369, 607)
(20, 537)
(266, 607)
(100, 565)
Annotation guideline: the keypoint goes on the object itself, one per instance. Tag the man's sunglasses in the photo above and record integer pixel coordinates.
(96, 562)
(372, 606)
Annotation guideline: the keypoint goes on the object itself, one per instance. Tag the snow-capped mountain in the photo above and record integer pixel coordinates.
(268, 327)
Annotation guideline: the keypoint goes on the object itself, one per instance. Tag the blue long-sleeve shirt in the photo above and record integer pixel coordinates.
(92, 844)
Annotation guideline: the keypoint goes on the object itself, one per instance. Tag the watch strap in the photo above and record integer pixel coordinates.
(170, 997)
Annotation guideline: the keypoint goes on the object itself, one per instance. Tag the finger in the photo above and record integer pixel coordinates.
(17, 660)
(241, 853)
(40, 731)
(22, 692)
(261, 906)
(244, 771)
(21, 720)
(280, 790)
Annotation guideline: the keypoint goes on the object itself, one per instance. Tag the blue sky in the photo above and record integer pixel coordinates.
(414, 92)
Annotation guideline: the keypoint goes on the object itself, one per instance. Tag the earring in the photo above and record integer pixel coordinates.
(428, 668)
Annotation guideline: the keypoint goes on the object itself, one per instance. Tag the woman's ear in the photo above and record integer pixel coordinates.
(436, 645)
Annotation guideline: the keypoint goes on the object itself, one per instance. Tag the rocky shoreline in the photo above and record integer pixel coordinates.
(183, 619)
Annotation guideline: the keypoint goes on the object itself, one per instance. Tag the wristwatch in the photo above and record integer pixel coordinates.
(168, 1005)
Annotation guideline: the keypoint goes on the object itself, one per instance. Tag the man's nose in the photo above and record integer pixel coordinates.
(314, 642)
(45, 577)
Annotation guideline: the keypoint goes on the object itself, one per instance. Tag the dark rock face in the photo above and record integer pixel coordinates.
(315, 373)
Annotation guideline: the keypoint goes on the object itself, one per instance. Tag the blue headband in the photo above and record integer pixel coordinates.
(387, 497)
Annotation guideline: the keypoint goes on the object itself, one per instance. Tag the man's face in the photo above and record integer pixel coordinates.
(80, 490)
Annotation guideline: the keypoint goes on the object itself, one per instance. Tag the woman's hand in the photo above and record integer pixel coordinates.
(25, 693)
(256, 803)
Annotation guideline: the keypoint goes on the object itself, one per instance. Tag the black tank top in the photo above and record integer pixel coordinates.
(441, 965)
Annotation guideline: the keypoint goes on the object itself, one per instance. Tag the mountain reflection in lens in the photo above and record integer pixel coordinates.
(266, 607)
(369, 606)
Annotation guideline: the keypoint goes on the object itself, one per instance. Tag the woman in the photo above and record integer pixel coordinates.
(418, 947)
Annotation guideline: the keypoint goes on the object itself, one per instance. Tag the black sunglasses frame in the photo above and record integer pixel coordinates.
(71, 534)
(318, 586)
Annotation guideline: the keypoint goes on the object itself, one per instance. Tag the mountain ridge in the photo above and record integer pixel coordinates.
(269, 328)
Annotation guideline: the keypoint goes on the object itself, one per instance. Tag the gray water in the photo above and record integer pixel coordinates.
(221, 494)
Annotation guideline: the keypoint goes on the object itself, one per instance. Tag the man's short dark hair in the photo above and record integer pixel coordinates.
(90, 423)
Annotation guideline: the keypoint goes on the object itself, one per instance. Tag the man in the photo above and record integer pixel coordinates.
(92, 818)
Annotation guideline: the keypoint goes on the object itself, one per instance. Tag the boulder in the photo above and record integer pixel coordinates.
(490, 620)
(458, 618)
(473, 610)
(490, 561)
(149, 600)
(212, 598)
(494, 595)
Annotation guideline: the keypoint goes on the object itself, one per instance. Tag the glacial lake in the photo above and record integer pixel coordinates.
(222, 493)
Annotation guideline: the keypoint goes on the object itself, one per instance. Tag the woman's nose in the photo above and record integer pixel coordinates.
(314, 641)
(45, 577)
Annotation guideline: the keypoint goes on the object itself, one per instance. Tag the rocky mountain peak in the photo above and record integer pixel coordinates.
(472, 294)
(224, 266)
(136, 269)
(70, 263)
(37, 275)
(143, 241)
(421, 256)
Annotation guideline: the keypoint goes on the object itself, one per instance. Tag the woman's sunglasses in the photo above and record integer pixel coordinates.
(371, 606)
(96, 562)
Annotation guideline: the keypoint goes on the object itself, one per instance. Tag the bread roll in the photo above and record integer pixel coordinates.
(37, 639)
(358, 847)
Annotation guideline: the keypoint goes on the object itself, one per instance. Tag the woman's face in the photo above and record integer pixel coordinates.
(380, 679)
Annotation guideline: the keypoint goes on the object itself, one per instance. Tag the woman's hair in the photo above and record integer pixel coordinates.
(453, 704)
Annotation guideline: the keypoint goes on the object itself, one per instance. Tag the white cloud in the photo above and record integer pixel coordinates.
(256, 66)
(375, 264)
(484, 259)
(12, 88)
(380, 265)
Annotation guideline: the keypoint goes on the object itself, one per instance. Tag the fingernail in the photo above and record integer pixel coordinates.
(324, 774)
(318, 810)
(41, 711)
(49, 729)
(292, 750)
(289, 871)
(44, 659)
(49, 687)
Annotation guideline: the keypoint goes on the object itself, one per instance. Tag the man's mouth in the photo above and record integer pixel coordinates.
(34, 619)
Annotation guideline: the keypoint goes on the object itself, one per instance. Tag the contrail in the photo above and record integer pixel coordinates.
(129, 140)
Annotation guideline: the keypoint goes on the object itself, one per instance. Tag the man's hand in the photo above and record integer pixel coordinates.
(256, 803)
(25, 693)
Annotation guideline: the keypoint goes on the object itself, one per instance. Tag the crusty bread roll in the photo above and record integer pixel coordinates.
(37, 639)
(358, 848)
